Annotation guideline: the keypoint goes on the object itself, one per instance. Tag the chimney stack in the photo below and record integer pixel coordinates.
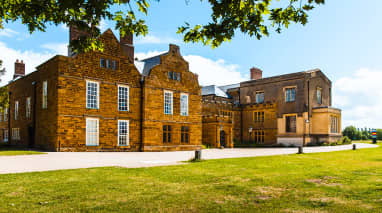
(256, 73)
(127, 46)
(19, 69)
(74, 34)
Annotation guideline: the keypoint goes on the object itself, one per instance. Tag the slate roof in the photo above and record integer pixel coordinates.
(150, 63)
(213, 90)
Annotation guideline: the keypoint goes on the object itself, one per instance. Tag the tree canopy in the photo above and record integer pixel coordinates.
(252, 17)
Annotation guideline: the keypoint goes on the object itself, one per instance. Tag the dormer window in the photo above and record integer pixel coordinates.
(174, 76)
(102, 63)
(114, 65)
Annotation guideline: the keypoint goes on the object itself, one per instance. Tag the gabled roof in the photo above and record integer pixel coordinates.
(214, 90)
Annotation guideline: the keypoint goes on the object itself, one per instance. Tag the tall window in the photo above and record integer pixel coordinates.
(44, 94)
(184, 104)
(16, 110)
(258, 116)
(123, 133)
(259, 136)
(290, 94)
(334, 127)
(259, 97)
(15, 134)
(168, 102)
(92, 133)
(290, 123)
(108, 63)
(123, 98)
(185, 134)
(92, 94)
(5, 135)
(6, 114)
(28, 108)
(319, 96)
(166, 134)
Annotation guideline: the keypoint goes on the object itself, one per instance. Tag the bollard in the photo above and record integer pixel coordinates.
(354, 147)
(374, 140)
(198, 154)
(300, 150)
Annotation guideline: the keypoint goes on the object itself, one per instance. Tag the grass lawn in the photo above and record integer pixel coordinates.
(9, 151)
(345, 181)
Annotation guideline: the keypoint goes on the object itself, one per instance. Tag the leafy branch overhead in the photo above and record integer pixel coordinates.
(253, 17)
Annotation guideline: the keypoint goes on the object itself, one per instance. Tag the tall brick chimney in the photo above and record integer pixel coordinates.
(74, 34)
(127, 46)
(256, 73)
(19, 69)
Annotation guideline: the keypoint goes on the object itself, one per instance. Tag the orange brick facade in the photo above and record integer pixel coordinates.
(99, 101)
(63, 124)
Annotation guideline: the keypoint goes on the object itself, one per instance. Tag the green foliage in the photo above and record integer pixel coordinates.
(2, 70)
(379, 134)
(4, 99)
(252, 17)
(344, 140)
(350, 132)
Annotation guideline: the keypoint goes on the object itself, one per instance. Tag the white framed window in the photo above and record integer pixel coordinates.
(16, 110)
(92, 132)
(44, 94)
(123, 98)
(92, 95)
(6, 114)
(290, 94)
(168, 102)
(5, 139)
(28, 108)
(259, 97)
(15, 134)
(184, 104)
(123, 133)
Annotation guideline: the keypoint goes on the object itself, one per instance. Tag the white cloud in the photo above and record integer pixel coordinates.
(30, 58)
(359, 95)
(216, 72)
(151, 39)
(57, 48)
(210, 71)
(8, 32)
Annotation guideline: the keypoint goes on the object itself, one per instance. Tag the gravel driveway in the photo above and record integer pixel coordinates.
(75, 160)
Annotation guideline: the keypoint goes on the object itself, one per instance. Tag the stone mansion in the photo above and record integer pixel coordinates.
(99, 101)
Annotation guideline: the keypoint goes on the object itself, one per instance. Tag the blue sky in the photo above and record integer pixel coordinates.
(342, 38)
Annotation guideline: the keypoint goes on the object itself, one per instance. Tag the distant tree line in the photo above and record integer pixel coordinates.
(360, 134)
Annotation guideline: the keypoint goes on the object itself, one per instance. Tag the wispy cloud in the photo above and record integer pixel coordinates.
(56, 48)
(8, 32)
(359, 95)
(152, 39)
(31, 59)
(217, 72)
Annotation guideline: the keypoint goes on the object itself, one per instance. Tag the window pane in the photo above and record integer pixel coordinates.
(123, 133)
(184, 105)
(170, 75)
(91, 132)
(123, 98)
(92, 95)
(168, 103)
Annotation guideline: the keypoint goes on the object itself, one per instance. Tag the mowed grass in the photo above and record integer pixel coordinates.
(346, 181)
(8, 151)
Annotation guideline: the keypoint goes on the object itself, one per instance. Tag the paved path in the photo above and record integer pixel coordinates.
(75, 160)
